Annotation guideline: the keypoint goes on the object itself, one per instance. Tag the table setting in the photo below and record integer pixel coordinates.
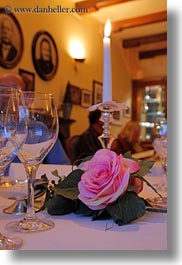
(78, 232)
(103, 204)
(104, 201)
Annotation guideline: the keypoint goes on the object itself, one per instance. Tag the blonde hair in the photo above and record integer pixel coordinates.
(128, 130)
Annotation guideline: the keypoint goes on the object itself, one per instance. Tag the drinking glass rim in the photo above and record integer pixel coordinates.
(7, 93)
(26, 93)
(10, 87)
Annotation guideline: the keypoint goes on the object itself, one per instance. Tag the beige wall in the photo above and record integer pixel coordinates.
(156, 66)
(64, 28)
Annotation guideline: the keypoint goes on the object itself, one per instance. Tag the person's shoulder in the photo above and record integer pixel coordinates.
(84, 137)
(84, 133)
(119, 143)
(115, 142)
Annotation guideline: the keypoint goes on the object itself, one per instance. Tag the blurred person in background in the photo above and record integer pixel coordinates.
(88, 142)
(128, 139)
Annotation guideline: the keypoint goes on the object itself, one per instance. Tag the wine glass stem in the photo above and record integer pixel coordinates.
(31, 173)
(164, 169)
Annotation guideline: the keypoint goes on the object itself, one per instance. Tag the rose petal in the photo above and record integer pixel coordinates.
(133, 165)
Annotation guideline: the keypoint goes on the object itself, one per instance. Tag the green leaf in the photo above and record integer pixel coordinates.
(70, 193)
(101, 215)
(83, 209)
(147, 163)
(127, 208)
(60, 205)
(81, 160)
(145, 167)
(55, 173)
(128, 155)
(44, 177)
(68, 187)
(71, 180)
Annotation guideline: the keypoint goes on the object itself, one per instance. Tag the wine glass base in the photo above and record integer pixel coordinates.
(26, 226)
(10, 183)
(10, 243)
(159, 202)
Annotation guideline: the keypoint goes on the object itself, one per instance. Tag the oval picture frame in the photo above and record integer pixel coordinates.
(11, 40)
(45, 55)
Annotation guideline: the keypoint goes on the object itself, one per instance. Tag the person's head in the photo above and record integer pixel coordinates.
(6, 31)
(131, 131)
(12, 79)
(94, 120)
(45, 50)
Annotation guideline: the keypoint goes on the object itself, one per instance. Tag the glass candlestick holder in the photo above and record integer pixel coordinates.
(107, 108)
(106, 137)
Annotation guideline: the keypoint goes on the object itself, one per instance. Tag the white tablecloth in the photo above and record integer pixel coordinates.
(73, 232)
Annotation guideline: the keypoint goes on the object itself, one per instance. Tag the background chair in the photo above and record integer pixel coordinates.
(70, 147)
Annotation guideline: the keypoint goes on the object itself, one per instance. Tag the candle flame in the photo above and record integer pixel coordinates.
(107, 28)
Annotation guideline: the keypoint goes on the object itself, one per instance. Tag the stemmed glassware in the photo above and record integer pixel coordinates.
(13, 133)
(42, 134)
(160, 146)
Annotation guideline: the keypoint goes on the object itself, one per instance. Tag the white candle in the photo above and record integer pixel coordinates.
(107, 76)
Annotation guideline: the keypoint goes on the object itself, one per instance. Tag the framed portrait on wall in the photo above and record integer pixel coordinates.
(75, 92)
(97, 92)
(44, 55)
(117, 117)
(86, 98)
(127, 112)
(29, 79)
(11, 40)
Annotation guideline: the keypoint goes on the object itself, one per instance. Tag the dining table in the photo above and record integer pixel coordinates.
(78, 232)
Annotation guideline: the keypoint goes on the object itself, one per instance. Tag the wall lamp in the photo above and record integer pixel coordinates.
(76, 51)
(80, 60)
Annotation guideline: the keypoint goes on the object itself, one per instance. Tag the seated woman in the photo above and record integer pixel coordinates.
(128, 139)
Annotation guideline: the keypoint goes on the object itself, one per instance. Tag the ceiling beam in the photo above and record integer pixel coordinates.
(139, 21)
(135, 42)
(95, 5)
(152, 53)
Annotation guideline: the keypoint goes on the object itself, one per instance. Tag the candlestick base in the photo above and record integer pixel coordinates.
(107, 108)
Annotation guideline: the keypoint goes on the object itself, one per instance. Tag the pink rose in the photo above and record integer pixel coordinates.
(105, 179)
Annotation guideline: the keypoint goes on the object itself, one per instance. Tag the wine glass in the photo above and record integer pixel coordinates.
(42, 134)
(13, 133)
(160, 146)
(11, 103)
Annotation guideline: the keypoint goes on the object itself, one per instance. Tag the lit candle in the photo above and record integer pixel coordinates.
(107, 79)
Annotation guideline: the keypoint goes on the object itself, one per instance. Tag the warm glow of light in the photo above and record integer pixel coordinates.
(76, 49)
(107, 28)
